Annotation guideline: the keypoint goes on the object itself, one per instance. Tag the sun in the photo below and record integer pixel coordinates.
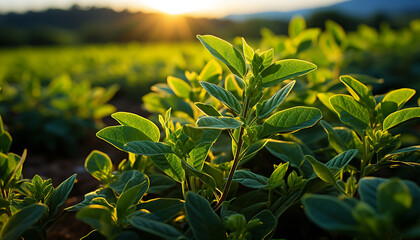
(176, 7)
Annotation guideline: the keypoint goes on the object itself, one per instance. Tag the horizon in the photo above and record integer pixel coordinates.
(215, 9)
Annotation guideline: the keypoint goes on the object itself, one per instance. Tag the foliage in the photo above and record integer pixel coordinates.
(57, 116)
(27, 206)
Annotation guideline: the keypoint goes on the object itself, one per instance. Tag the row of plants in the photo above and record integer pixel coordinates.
(205, 171)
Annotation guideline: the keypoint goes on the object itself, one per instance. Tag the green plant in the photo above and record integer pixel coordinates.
(27, 206)
(57, 116)
(386, 210)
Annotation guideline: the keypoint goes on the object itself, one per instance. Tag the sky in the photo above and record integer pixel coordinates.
(205, 8)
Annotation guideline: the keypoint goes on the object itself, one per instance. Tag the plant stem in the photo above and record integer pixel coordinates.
(237, 158)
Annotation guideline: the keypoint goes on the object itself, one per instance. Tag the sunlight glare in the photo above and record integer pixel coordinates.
(175, 7)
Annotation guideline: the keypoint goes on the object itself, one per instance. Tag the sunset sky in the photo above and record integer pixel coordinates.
(206, 8)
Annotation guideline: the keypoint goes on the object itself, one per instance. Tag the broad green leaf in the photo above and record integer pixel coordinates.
(198, 155)
(60, 194)
(211, 72)
(400, 116)
(269, 223)
(291, 120)
(204, 222)
(289, 152)
(99, 165)
(250, 179)
(267, 58)
(394, 100)
(321, 170)
(272, 103)
(129, 179)
(407, 149)
(329, 213)
(204, 177)
(164, 208)
(5, 142)
(147, 148)
(98, 217)
(118, 136)
(341, 138)
(232, 86)
(350, 111)
(359, 91)
(160, 229)
(208, 109)
(248, 51)
(181, 88)
(162, 88)
(253, 150)
(225, 52)
(285, 69)
(144, 125)
(128, 198)
(159, 183)
(221, 94)
(325, 99)
(296, 25)
(367, 190)
(105, 193)
(171, 165)
(393, 197)
(21, 221)
(276, 178)
(342, 159)
(220, 123)
(336, 30)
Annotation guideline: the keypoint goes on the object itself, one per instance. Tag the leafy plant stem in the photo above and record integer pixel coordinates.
(365, 160)
(236, 160)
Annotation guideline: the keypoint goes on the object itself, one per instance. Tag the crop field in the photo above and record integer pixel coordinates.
(310, 135)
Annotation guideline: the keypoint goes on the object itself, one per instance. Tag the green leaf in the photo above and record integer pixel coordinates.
(180, 87)
(208, 109)
(233, 86)
(248, 51)
(250, 179)
(359, 91)
(160, 229)
(60, 194)
(296, 25)
(289, 152)
(211, 72)
(330, 213)
(336, 30)
(220, 123)
(285, 69)
(21, 221)
(269, 223)
(291, 120)
(321, 170)
(225, 52)
(171, 165)
(118, 136)
(394, 100)
(198, 155)
(351, 112)
(267, 58)
(204, 177)
(204, 222)
(272, 103)
(393, 197)
(144, 125)
(5, 142)
(129, 179)
(224, 96)
(342, 159)
(276, 178)
(147, 148)
(98, 217)
(99, 165)
(407, 150)
(367, 190)
(341, 138)
(127, 199)
(164, 208)
(400, 116)
(159, 183)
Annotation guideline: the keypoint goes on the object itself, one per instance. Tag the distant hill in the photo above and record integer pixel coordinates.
(352, 8)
